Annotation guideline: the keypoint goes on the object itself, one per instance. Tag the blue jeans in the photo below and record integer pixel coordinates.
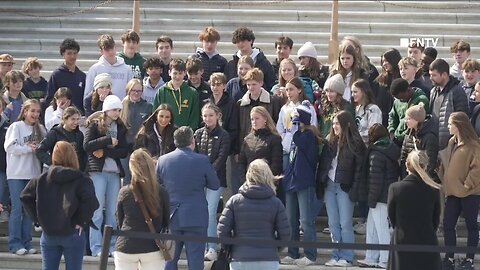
(263, 265)
(340, 219)
(233, 174)
(20, 224)
(126, 168)
(213, 196)
(301, 203)
(3, 189)
(71, 246)
(106, 186)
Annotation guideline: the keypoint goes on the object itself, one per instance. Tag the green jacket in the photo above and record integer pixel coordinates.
(325, 121)
(136, 64)
(185, 104)
(396, 117)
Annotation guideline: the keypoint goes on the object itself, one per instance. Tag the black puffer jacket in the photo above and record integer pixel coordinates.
(262, 144)
(443, 102)
(382, 169)
(56, 134)
(349, 170)
(216, 145)
(94, 140)
(59, 199)
(425, 139)
(254, 212)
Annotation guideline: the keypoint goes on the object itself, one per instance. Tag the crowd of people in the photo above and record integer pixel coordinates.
(276, 141)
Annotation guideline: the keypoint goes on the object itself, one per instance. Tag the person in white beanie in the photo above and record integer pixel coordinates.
(102, 88)
(333, 102)
(105, 143)
(311, 70)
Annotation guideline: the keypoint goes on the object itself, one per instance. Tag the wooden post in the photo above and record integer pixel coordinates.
(136, 16)
(333, 42)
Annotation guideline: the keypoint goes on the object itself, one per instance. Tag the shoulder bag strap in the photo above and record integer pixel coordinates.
(148, 219)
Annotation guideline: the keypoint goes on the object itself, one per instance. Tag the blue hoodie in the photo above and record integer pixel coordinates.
(75, 81)
(300, 173)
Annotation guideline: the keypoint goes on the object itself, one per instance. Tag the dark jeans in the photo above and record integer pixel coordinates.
(453, 207)
(71, 246)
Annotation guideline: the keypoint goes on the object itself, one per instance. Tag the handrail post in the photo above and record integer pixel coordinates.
(136, 16)
(107, 237)
(333, 42)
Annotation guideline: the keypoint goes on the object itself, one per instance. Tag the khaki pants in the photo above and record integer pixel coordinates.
(144, 261)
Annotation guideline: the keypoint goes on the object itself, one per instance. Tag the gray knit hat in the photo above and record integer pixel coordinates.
(335, 83)
(102, 80)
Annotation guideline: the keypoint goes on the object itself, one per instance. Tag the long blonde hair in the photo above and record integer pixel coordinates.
(417, 163)
(126, 102)
(265, 114)
(144, 180)
(38, 132)
(259, 173)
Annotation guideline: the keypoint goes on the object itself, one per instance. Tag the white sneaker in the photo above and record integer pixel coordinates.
(302, 262)
(331, 262)
(382, 265)
(343, 263)
(211, 255)
(365, 263)
(326, 230)
(4, 216)
(360, 228)
(38, 228)
(32, 251)
(21, 251)
(287, 260)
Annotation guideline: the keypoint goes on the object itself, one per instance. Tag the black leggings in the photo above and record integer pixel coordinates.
(453, 207)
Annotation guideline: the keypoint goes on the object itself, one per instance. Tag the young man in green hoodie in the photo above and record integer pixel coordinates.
(182, 98)
(130, 54)
(406, 97)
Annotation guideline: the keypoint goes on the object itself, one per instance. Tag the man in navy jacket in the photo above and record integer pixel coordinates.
(185, 175)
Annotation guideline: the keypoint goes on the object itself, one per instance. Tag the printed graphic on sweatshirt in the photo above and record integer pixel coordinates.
(137, 73)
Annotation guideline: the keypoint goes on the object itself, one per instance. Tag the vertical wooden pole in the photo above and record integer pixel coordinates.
(136, 16)
(333, 42)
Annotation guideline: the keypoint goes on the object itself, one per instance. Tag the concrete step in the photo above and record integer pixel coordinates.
(230, 24)
(376, 6)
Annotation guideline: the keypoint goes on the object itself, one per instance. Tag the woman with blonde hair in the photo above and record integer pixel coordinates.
(21, 143)
(461, 185)
(255, 212)
(263, 141)
(136, 252)
(414, 212)
(135, 111)
(62, 200)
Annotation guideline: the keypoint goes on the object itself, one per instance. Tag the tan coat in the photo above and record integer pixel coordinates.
(461, 169)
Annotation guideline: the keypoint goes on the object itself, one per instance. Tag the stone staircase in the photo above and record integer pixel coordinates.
(31, 29)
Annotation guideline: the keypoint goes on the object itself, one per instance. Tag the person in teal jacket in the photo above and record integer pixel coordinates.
(183, 98)
(406, 97)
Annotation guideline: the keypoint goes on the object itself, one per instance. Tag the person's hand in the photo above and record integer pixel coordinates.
(102, 96)
(114, 141)
(62, 104)
(1, 208)
(33, 145)
(98, 153)
(281, 91)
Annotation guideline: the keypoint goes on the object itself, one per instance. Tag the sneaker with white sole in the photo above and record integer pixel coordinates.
(211, 255)
(343, 263)
(365, 263)
(38, 228)
(326, 230)
(287, 260)
(21, 251)
(382, 265)
(360, 228)
(32, 251)
(302, 262)
(4, 216)
(331, 262)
